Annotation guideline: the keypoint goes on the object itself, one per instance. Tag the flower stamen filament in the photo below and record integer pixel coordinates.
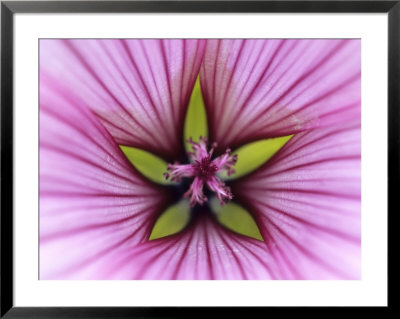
(203, 169)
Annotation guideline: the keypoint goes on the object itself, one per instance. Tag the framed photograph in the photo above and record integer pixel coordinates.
(161, 157)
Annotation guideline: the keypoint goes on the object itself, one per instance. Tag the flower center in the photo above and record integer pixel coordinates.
(203, 169)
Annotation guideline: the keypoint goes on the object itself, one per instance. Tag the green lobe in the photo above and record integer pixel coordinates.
(236, 218)
(253, 155)
(196, 118)
(149, 165)
(172, 221)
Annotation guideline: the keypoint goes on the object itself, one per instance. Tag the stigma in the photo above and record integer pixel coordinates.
(203, 169)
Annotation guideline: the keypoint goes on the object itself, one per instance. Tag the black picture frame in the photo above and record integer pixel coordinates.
(9, 8)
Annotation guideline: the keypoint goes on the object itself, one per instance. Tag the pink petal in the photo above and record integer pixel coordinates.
(205, 250)
(306, 201)
(138, 88)
(257, 89)
(92, 201)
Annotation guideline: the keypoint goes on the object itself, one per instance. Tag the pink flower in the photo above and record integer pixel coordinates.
(97, 211)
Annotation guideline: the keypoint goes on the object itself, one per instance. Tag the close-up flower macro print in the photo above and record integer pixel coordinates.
(205, 159)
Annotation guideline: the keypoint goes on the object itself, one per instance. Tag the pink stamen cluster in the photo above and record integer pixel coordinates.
(204, 171)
